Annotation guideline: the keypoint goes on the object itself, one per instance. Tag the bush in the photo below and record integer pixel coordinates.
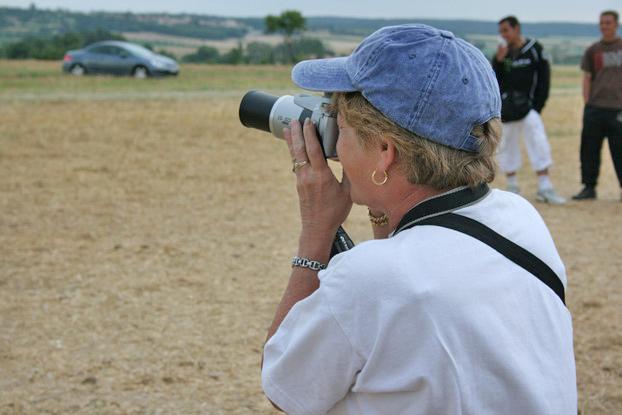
(309, 48)
(165, 52)
(259, 53)
(235, 56)
(204, 54)
(303, 48)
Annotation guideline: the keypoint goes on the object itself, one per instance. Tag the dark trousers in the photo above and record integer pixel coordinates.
(599, 123)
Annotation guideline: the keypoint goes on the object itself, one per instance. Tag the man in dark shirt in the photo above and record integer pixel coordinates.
(602, 94)
(523, 74)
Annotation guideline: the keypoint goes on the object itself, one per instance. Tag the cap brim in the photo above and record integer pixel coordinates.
(327, 75)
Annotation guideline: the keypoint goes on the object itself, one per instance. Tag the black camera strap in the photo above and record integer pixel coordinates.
(341, 243)
(437, 211)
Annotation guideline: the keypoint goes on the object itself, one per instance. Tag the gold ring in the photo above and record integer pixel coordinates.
(298, 164)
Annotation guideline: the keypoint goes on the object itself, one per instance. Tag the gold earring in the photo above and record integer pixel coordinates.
(373, 178)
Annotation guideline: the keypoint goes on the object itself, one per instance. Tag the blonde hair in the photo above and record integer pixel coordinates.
(424, 162)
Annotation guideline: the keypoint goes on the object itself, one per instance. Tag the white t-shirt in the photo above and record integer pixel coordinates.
(430, 321)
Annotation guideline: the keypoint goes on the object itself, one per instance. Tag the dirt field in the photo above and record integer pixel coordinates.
(145, 240)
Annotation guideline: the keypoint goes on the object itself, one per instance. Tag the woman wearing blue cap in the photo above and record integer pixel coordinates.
(457, 306)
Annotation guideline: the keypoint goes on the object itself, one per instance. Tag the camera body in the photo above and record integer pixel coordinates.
(273, 114)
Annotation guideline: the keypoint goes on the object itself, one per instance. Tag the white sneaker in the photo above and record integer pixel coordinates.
(514, 188)
(549, 196)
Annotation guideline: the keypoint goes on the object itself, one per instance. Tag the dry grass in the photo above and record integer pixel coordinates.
(144, 245)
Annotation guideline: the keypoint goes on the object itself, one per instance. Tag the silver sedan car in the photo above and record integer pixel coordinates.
(118, 58)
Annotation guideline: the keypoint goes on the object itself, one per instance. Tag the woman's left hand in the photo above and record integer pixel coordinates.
(324, 201)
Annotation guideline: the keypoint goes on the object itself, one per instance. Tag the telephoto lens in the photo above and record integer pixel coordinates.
(271, 113)
(255, 110)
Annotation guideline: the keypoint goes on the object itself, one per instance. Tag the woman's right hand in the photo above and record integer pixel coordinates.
(324, 201)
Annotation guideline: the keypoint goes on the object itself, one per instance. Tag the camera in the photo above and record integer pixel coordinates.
(272, 114)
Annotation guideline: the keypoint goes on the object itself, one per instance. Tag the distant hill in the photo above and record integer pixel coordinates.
(362, 27)
(16, 23)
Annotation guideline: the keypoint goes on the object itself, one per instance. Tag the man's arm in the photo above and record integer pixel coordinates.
(541, 93)
(587, 86)
(587, 68)
(497, 62)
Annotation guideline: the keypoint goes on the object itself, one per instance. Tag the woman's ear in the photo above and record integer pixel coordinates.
(388, 154)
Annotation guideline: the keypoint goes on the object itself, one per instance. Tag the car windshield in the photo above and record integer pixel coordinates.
(138, 50)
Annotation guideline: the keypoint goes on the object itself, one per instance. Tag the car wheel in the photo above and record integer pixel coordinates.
(140, 72)
(78, 70)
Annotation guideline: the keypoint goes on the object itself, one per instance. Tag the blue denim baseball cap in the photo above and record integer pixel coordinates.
(426, 80)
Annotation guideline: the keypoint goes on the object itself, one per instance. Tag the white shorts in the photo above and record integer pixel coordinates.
(538, 148)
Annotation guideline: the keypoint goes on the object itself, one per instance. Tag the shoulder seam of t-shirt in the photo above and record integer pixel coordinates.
(343, 331)
(293, 401)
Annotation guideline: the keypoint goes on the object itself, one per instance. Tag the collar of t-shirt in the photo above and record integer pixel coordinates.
(610, 42)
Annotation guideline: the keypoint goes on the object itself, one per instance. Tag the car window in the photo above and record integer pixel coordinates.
(137, 50)
(119, 51)
(106, 50)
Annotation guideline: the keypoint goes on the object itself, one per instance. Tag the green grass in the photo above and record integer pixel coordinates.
(41, 77)
(44, 77)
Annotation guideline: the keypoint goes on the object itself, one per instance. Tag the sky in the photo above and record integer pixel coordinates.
(526, 10)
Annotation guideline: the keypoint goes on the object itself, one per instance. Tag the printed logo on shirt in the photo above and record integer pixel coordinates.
(520, 63)
(607, 60)
(612, 58)
(619, 117)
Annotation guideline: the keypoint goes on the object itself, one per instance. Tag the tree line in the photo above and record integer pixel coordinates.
(256, 53)
(261, 53)
(41, 22)
(290, 24)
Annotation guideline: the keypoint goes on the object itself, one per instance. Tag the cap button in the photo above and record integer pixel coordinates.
(447, 34)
